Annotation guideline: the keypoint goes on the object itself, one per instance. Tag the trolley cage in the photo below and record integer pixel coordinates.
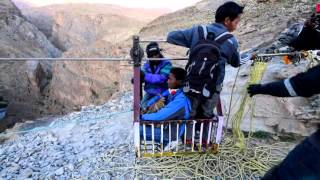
(176, 131)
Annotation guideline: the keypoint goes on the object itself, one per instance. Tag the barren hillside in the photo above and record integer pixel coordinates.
(23, 83)
(77, 24)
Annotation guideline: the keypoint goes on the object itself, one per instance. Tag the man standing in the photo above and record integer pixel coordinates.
(227, 19)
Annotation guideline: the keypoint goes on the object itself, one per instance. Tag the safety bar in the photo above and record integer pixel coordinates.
(150, 40)
(90, 59)
(68, 59)
(215, 119)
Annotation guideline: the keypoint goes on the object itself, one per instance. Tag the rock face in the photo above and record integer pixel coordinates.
(23, 83)
(71, 30)
(76, 84)
(78, 24)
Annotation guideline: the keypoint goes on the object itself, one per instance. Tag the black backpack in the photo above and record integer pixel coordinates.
(202, 67)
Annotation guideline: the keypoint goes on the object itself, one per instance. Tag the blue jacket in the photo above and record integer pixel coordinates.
(156, 81)
(229, 49)
(178, 107)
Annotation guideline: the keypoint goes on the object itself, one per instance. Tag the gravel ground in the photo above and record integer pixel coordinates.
(72, 146)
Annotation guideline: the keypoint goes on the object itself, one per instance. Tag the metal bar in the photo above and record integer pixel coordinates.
(150, 40)
(145, 137)
(68, 59)
(201, 133)
(161, 138)
(91, 59)
(272, 55)
(193, 135)
(171, 58)
(152, 131)
(169, 135)
(220, 129)
(136, 54)
(177, 137)
(176, 154)
(220, 121)
(219, 107)
(215, 119)
(209, 134)
(185, 136)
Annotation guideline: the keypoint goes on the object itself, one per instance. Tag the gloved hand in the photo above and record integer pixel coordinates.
(254, 89)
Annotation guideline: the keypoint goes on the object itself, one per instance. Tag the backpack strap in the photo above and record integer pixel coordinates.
(223, 37)
(203, 32)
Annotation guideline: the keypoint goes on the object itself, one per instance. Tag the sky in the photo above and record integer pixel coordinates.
(167, 4)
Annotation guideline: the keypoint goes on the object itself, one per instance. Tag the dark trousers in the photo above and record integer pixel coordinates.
(202, 108)
(302, 163)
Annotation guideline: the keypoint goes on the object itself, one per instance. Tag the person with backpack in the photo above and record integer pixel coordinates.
(177, 108)
(211, 47)
(154, 74)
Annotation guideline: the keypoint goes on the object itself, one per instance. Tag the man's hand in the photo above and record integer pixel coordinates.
(254, 89)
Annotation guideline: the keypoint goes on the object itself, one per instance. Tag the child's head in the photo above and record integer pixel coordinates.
(229, 14)
(176, 78)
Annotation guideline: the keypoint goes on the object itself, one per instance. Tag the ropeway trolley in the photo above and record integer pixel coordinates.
(173, 140)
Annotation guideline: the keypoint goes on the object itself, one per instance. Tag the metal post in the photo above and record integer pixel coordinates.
(220, 124)
(136, 55)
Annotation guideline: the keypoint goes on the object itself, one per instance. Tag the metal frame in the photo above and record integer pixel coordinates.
(215, 125)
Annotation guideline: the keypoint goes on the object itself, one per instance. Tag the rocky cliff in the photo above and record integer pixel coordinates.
(78, 24)
(23, 83)
(76, 84)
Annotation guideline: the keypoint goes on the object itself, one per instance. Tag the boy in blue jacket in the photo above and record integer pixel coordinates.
(154, 74)
(178, 107)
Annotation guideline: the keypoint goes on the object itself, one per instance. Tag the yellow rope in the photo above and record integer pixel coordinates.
(229, 163)
(256, 75)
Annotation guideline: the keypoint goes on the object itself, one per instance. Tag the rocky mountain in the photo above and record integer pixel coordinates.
(23, 83)
(23, 4)
(76, 84)
(70, 25)
(260, 23)
(36, 89)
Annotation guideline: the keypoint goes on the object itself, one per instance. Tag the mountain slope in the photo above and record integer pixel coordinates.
(73, 24)
(261, 21)
(23, 83)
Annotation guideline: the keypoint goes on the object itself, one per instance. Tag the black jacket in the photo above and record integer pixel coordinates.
(304, 84)
(308, 39)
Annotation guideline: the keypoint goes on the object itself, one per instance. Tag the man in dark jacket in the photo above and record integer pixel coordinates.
(299, 36)
(154, 74)
(303, 162)
(227, 19)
